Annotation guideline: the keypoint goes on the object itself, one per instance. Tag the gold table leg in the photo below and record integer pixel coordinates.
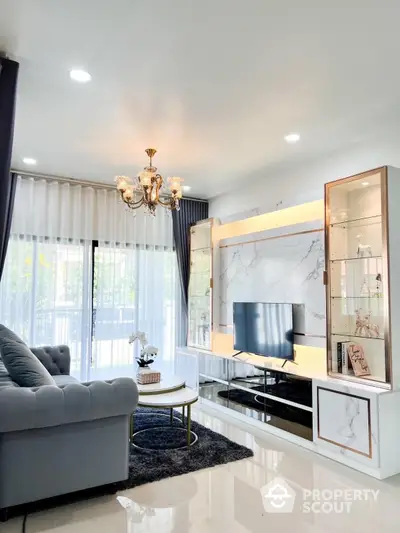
(131, 427)
(189, 423)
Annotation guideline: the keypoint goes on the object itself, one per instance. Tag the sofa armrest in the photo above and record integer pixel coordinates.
(56, 359)
(31, 408)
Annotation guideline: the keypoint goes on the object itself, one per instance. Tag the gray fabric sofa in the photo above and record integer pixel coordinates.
(60, 439)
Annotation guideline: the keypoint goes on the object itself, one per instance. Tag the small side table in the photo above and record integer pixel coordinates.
(169, 383)
(170, 393)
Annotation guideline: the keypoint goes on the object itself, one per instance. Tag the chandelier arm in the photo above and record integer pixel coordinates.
(135, 205)
(159, 183)
(166, 204)
(132, 203)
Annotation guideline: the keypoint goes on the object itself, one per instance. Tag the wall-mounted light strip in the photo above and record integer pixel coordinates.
(276, 219)
(273, 238)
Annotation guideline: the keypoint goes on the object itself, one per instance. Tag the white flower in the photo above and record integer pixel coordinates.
(151, 350)
(140, 336)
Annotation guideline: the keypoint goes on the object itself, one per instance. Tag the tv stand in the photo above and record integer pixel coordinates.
(288, 361)
(260, 392)
(238, 353)
(284, 363)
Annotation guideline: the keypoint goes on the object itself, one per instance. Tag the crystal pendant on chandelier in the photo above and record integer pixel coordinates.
(148, 189)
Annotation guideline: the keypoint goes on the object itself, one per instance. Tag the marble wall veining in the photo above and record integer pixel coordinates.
(287, 269)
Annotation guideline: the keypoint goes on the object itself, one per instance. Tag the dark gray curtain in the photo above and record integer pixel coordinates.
(8, 87)
(191, 211)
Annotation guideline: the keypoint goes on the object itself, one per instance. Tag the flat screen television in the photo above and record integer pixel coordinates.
(264, 329)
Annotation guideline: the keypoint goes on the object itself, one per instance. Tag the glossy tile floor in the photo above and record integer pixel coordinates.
(228, 498)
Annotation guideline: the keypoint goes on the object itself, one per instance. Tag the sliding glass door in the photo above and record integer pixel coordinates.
(92, 296)
(134, 289)
(44, 296)
(114, 286)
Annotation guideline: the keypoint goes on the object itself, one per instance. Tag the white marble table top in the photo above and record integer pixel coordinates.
(178, 398)
(168, 383)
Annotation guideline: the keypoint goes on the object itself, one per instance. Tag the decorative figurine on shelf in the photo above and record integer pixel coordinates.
(364, 327)
(204, 326)
(360, 324)
(364, 250)
(378, 280)
(364, 292)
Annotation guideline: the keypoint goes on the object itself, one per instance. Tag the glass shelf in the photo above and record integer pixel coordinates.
(340, 375)
(372, 297)
(352, 222)
(350, 335)
(201, 249)
(355, 258)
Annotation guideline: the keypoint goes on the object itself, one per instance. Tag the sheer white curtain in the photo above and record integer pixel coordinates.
(61, 234)
(43, 293)
(135, 286)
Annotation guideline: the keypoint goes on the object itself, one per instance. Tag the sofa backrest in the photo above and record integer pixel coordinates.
(56, 359)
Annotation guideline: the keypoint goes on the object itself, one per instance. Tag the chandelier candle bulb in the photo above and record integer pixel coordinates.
(145, 179)
(175, 184)
(122, 183)
(127, 195)
(148, 189)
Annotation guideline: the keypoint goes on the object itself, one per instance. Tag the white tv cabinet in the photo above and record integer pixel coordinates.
(355, 424)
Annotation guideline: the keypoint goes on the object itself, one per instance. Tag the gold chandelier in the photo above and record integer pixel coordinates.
(148, 188)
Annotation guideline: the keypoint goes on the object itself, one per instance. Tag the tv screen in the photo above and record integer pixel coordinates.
(264, 329)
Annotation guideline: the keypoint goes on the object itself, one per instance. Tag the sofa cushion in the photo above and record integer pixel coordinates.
(22, 365)
(5, 378)
(64, 380)
(55, 359)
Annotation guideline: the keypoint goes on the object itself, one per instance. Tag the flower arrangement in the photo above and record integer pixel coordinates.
(148, 353)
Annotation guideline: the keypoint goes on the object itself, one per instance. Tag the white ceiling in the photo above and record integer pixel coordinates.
(214, 85)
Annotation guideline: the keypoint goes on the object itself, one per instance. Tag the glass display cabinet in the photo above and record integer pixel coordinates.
(359, 337)
(200, 285)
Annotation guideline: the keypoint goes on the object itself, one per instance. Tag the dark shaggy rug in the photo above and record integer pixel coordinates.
(146, 466)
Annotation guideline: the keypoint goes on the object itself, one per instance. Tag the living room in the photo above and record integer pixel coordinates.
(199, 266)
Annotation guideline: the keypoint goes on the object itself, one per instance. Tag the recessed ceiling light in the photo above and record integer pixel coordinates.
(365, 183)
(186, 188)
(292, 138)
(29, 161)
(80, 76)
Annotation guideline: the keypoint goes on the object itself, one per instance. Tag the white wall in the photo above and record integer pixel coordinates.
(304, 182)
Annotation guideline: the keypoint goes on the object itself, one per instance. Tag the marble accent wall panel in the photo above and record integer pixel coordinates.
(287, 269)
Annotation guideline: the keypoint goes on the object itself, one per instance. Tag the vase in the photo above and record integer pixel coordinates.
(146, 376)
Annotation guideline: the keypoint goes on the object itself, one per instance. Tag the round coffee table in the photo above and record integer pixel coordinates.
(170, 393)
(167, 384)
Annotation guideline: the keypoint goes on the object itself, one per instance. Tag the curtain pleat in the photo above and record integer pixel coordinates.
(64, 210)
(191, 211)
(8, 89)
